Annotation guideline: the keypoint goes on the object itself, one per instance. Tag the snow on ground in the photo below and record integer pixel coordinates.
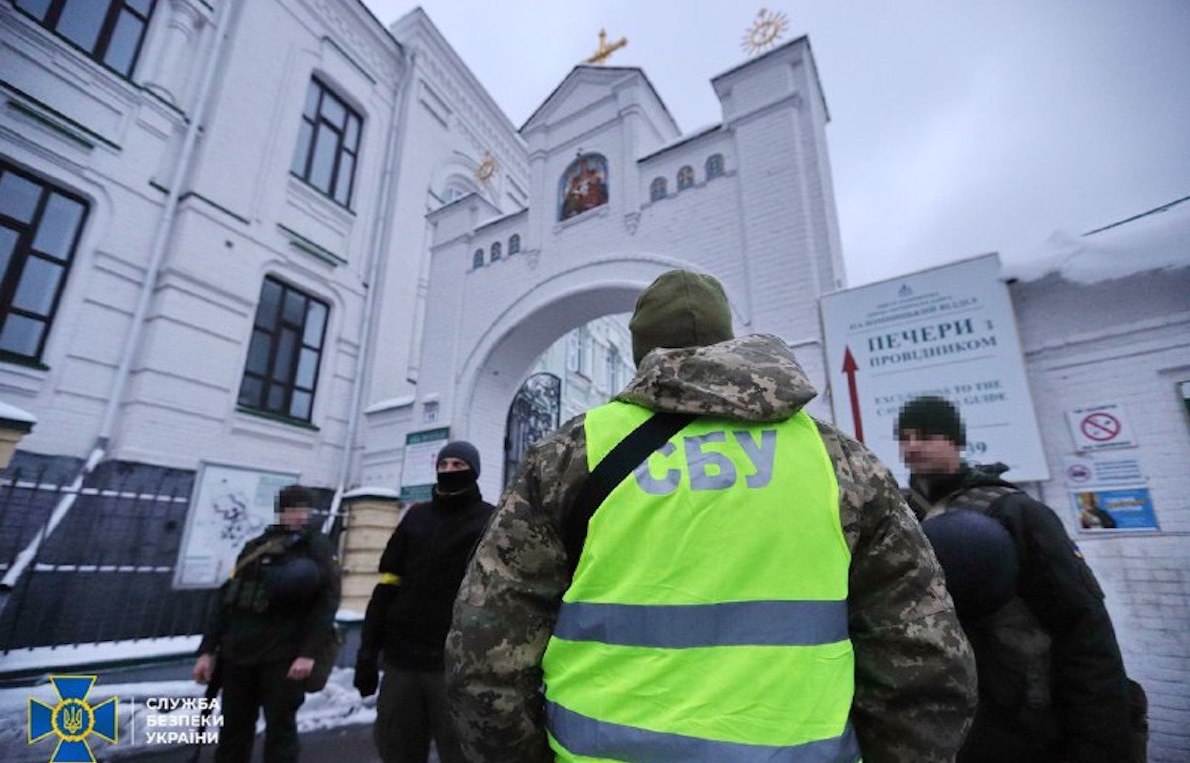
(338, 704)
(51, 657)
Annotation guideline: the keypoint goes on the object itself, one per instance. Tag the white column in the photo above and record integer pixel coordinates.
(177, 49)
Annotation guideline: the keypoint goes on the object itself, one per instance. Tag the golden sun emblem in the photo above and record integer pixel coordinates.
(764, 32)
(487, 168)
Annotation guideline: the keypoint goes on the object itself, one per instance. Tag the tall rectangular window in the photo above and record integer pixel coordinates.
(39, 229)
(110, 31)
(572, 352)
(328, 143)
(613, 369)
(584, 352)
(281, 372)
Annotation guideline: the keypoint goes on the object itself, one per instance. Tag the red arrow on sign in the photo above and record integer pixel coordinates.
(849, 368)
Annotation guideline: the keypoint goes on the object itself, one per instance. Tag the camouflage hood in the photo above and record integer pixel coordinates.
(751, 378)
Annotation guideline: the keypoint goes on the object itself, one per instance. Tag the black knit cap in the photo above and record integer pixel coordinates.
(295, 497)
(932, 415)
(461, 449)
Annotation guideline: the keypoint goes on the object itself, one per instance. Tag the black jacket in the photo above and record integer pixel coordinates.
(251, 622)
(408, 621)
(1088, 691)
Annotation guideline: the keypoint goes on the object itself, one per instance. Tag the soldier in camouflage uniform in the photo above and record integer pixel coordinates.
(1052, 687)
(914, 674)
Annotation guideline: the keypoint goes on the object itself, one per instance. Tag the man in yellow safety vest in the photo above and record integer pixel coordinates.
(699, 571)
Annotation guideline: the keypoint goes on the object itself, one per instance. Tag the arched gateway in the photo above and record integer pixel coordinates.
(618, 195)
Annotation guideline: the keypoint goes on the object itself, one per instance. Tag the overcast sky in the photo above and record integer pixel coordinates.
(957, 127)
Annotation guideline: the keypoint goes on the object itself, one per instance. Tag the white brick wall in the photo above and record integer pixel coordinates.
(180, 406)
(766, 229)
(1124, 342)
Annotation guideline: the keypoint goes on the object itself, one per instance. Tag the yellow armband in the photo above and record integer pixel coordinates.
(387, 578)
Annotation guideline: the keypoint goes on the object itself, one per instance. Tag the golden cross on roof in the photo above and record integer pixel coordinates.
(604, 50)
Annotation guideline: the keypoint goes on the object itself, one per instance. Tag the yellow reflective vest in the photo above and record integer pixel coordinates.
(707, 616)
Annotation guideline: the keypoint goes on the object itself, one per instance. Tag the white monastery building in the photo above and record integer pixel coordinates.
(249, 243)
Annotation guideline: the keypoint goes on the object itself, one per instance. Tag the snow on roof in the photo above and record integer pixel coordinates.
(372, 491)
(12, 413)
(1155, 240)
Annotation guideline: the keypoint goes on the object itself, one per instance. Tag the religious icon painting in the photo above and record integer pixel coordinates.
(583, 186)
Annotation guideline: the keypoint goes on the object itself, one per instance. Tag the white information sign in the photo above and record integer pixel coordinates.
(1102, 427)
(229, 506)
(948, 331)
(419, 470)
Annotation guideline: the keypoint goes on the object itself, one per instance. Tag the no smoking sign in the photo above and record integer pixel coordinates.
(1100, 428)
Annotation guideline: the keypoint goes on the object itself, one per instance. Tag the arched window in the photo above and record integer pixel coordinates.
(583, 186)
(514, 244)
(685, 177)
(477, 259)
(714, 166)
(657, 189)
(496, 251)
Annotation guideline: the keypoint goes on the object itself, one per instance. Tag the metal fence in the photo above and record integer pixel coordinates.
(106, 572)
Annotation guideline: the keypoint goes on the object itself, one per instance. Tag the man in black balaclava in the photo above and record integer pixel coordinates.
(410, 611)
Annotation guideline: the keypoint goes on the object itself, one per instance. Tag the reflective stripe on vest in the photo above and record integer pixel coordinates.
(707, 617)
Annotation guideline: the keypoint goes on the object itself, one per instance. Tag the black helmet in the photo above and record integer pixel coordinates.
(979, 559)
(292, 581)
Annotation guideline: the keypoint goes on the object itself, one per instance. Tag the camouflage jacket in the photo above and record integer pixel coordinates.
(915, 674)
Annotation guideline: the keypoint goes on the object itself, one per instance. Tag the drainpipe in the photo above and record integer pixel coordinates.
(380, 234)
(156, 258)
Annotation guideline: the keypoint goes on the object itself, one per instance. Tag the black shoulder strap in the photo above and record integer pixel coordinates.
(628, 454)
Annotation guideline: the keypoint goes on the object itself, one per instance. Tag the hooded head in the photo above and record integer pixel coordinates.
(680, 309)
(462, 450)
(458, 467)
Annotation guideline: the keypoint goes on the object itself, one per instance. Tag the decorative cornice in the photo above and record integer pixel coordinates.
(303, 244)
(385, 66)
(445, 82)
(21, 101)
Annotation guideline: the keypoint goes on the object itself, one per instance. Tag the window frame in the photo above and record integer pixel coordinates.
(658, 188)
(716, 166)
(585, 352)
(514, 244)
(52, 16)
(613, 363)
(275, 331)
(497, 251)
(23, 250)
(686, 171)
(478, 259)
(309, 141)
(573, 353)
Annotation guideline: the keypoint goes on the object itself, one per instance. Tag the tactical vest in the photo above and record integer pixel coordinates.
(247, 591)
(1012, 648)
(707, 616)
